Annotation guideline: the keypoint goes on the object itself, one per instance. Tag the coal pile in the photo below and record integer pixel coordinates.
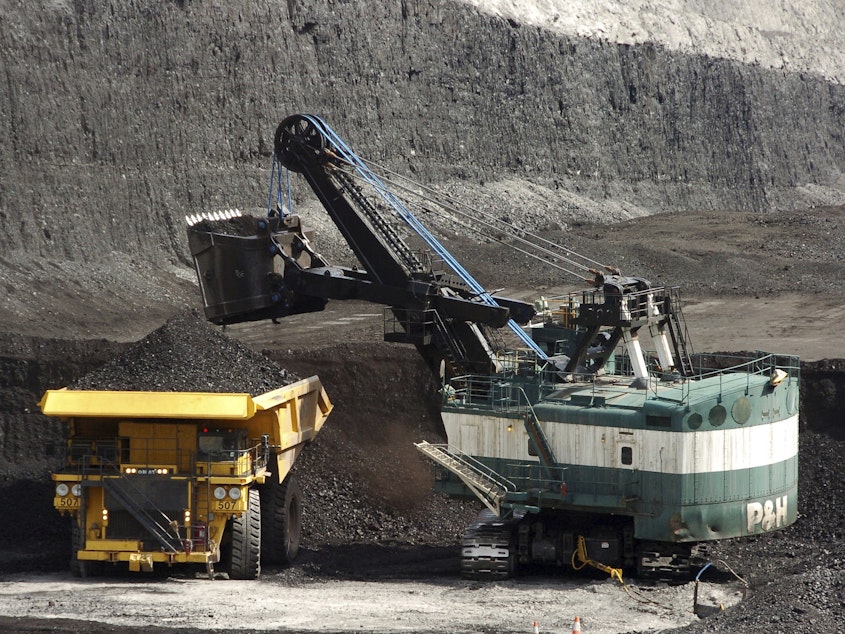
(353, 494)
(187, 354)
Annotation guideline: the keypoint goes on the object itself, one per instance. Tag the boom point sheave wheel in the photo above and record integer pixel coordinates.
(243, 559)
(282, 520)
(297, 140)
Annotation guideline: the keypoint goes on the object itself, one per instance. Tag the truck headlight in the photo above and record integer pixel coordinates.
(235, 493)
(62, 489)
(219, 493)
(76, 490)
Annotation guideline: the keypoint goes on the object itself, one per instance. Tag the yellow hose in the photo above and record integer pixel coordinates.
(581, 552)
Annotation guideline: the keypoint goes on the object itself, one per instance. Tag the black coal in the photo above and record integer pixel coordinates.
(187, 354)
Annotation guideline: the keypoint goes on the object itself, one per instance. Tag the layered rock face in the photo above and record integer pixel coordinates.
(121, 117)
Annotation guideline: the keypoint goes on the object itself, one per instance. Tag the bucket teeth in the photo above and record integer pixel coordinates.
(226, 214)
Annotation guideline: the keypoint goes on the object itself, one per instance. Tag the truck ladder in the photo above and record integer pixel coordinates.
(486, 484)
(170, 542)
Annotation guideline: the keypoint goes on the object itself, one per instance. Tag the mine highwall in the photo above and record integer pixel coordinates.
(121, 117)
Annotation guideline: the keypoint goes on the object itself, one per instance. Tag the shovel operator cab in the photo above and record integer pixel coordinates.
(169, 478)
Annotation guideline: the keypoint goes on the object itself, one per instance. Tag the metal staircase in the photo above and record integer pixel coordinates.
(424, 327)
(490, 487)
(541, 442)
(679, 334)
(160, 528)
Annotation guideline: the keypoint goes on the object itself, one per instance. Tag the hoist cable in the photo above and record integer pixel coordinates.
(549, 258)
(514, 230)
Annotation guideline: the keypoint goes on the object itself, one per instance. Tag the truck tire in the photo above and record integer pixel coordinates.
(79, 567)
(75, 544)
(243, 559)
(282, 526)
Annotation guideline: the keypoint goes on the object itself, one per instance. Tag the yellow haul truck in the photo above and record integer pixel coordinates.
(184, 477)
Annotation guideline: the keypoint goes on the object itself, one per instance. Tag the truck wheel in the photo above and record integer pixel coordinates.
(76, 567)
(282, 527)
(79, 567)
(243, 559)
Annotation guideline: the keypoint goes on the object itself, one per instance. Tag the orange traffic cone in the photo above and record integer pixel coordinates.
(576, 626)
(536, 629)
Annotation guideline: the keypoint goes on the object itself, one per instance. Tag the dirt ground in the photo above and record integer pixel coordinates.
(281, 603)
(754, 282)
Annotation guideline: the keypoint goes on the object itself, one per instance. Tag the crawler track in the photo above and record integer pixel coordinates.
(487, 549)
